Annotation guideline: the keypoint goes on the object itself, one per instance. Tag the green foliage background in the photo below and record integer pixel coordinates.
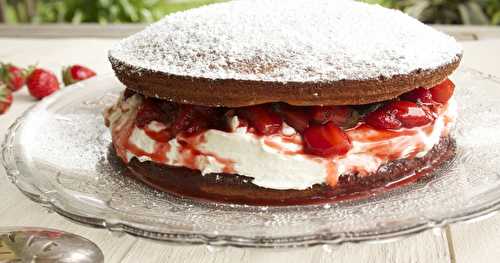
(92, 11)
(481, 12)
(475, 12)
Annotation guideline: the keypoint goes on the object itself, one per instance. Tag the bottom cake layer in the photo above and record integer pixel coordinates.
(229, 188)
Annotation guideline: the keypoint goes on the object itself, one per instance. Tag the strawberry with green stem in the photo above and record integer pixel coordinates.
(5, 98)
(41, 83)
(76, 73)
(13, 76)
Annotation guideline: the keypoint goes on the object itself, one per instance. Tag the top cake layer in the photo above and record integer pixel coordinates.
(288, 41)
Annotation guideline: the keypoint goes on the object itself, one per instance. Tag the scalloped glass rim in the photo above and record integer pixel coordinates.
(79, 183)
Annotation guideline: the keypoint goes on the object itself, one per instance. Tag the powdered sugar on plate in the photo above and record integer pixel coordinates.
(296, 40)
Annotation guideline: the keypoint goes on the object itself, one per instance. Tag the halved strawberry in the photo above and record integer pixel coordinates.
(75, 73)
(177, 118)
(194, 119)
(420, 95)
(442, 92)
(399, 114)
(326, 140)
(339, 115)
(383, 118)
(262, 118)
(412, 115)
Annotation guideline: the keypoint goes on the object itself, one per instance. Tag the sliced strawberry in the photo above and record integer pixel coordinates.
(177, 118)
(339, 115)
(193, 119)
(183, 119)
(298, 118)
(76, 73)
(5, 98)
(383, 118)
(326, 140)
(148, 112)
(420, 95)
(196, 125)
(399, 114)
(322, 115)
(262, 118)
(412, 115)
(442, 92)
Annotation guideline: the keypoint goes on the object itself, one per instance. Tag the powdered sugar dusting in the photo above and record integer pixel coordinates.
(296, 40)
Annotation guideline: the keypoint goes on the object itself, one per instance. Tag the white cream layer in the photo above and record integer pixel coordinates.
(277, 161)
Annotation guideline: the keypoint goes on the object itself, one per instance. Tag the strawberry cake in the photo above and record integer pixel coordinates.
(266, 103)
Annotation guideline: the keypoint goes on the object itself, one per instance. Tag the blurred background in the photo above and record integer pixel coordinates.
(468, 12)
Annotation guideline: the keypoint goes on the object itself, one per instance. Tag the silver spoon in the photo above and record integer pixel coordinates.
(41, 245)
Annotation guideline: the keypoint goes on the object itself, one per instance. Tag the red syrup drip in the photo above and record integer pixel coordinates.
(385, 150)
(365, 133)
(281, 149)
(187, 149)
(120, 136)
(292, 139)
(121, 142)
(190, 153)
(159, 136)
(331, 171)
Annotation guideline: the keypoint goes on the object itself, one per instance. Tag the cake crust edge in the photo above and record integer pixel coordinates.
(240, 93)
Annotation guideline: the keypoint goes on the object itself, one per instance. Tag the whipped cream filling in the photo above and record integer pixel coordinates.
(274, 161)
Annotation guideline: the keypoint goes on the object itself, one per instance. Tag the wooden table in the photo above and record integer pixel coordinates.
(476, 242)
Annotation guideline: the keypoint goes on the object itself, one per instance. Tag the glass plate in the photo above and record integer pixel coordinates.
(57, 154)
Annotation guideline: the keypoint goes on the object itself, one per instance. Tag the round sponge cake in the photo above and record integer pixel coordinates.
(302, 52)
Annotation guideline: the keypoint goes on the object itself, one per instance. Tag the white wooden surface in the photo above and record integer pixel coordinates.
(122, 30)
(476, 242)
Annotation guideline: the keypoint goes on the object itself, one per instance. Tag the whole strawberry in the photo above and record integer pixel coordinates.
(76, 73)
(5, 98)
(41, 83)
(12, 76)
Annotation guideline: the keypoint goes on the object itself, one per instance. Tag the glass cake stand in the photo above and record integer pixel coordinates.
(57, 154)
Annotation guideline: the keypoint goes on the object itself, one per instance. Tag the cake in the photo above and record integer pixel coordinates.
(280, 103)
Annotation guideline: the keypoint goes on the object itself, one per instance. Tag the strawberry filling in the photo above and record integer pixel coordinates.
(323, 129)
